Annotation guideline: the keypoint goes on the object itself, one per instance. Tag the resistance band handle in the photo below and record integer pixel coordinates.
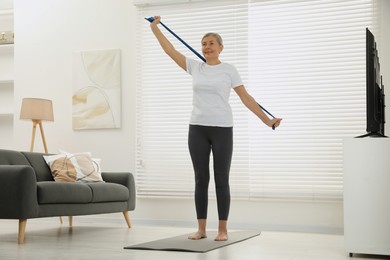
(151, 19)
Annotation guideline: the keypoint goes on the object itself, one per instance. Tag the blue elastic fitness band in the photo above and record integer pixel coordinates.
(151, 19)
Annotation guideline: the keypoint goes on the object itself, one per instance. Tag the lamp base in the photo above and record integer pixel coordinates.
(35, 123)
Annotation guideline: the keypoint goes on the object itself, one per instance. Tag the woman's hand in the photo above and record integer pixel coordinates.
(275, 122)
(156, 21)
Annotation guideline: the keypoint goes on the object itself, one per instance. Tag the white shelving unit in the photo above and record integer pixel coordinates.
(6, 97)
(6, 82)
(366, 195)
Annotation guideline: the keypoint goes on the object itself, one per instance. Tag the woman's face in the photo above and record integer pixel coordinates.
(211, 48)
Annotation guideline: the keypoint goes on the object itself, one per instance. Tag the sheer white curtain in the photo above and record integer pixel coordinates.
(303, 61)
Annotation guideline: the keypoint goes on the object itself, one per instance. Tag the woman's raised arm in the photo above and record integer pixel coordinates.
(167, 46)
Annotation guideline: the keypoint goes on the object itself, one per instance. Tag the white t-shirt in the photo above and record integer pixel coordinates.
(212, 85)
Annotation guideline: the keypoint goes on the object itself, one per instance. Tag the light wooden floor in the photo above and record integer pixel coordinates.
(93, 239)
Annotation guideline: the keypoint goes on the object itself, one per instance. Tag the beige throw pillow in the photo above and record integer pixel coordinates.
(81, 167)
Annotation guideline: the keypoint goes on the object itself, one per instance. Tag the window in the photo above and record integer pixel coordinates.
(303, 61)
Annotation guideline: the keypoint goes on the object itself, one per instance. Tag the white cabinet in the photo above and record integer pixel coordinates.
(7, 107)
(367, 195)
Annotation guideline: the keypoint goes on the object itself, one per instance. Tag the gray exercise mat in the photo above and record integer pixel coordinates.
(183, 244)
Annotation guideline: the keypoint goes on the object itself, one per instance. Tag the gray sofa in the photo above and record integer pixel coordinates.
(28, 190)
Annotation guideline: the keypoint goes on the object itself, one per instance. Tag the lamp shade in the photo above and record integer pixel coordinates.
(37, 109)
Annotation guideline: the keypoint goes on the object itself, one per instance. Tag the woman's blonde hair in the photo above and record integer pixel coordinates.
(216, 35)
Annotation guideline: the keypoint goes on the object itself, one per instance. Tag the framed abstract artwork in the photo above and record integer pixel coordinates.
(96, 99)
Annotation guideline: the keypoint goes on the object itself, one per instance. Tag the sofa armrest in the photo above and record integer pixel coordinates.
(18, 192)
(125, 179)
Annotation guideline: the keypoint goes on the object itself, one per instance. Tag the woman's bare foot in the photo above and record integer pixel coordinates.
(222, 231)
(198, 235)
(222, 236)
(201, 233)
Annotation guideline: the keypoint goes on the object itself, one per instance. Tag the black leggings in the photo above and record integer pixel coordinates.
(201, 141)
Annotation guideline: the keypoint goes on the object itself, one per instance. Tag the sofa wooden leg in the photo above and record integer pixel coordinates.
(22, 230)
(127, 218)
(70, 221)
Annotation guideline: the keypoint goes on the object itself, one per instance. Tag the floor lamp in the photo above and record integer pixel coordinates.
(37, 110)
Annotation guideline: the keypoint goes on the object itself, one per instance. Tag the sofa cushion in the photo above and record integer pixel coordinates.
(107, 192)
(9, 157)
(50, 192)
(42, 171)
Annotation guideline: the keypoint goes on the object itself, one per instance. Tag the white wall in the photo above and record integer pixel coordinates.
(48, 32)
(6, 4)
